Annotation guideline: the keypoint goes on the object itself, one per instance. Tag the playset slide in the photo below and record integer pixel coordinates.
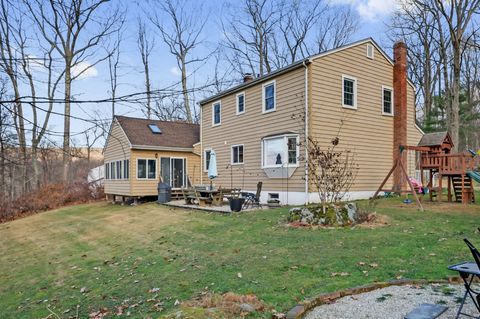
(475, 175)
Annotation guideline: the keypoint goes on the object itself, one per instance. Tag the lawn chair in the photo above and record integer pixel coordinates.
(251, 199)
(468, 271)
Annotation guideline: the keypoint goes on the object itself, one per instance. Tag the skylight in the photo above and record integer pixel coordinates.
(154, 128)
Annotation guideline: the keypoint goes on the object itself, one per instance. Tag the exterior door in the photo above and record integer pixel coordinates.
(173, 171)
(178, 172)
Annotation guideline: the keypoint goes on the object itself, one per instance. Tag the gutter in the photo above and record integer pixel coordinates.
(243, 86)
(305, 63)
(162, 148)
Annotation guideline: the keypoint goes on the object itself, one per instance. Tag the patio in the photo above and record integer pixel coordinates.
(225, 208)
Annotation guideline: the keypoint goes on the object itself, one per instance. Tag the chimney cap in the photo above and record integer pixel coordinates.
(247, 77)
(400, 43)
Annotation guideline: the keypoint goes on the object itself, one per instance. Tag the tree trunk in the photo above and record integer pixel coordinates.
(186, 99)
(453, 112)
(66, 126)
(147, 87)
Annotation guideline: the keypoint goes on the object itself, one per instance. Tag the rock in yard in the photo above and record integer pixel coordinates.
(246, 307)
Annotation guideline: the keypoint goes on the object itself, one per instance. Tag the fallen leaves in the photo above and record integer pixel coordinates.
(341, 274)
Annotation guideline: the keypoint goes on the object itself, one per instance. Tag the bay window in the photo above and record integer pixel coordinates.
(282, 150)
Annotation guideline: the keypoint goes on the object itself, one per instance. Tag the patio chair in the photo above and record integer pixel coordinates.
(468, 271)
(217, 198)
(189, 196)
(251, 199)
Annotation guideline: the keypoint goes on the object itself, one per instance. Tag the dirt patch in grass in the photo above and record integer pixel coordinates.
(378, 221)
(228, 305)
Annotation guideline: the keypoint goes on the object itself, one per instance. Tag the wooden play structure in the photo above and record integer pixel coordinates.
(434, 161)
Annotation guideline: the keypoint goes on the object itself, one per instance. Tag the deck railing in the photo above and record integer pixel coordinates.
(449, 163)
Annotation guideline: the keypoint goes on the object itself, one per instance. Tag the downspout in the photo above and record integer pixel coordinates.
(305, 64)
(201, 145)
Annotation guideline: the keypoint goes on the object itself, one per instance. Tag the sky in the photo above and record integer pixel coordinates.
(94, 84)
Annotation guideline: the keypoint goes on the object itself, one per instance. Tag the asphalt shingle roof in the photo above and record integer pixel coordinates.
(174, 133)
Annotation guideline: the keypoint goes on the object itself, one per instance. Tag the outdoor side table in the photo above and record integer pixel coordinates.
(467, 271)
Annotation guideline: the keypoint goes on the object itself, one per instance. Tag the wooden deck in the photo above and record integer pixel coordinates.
(216, 209)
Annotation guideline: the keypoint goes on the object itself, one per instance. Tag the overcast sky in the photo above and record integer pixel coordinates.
(164, 72)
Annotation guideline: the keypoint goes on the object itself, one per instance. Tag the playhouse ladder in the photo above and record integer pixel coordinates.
(463, 188)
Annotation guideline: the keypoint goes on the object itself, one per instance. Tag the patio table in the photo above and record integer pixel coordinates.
(467, 271)
(212, 194)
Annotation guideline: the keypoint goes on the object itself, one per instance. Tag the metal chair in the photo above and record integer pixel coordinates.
(251, 199)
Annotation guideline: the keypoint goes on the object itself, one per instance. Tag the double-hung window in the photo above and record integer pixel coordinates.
(207, 160)
(216, 113)
(280, 151)
(112, 170)
(107, 170)
(119, 170)
(269, 97)
(349, 92)
(240, 103)
(237, 154)
(387, 101)
(146, 169)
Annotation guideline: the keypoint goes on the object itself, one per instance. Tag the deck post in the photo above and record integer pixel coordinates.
(449, 188)
(440, 186)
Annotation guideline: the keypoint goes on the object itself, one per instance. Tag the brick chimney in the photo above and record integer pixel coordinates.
(247, 77)
(400, 109)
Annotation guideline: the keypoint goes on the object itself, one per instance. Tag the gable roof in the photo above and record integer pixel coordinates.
(296, 65)
(174, 134)
(435, 139)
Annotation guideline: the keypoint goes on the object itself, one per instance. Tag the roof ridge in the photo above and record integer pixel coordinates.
(156, 120)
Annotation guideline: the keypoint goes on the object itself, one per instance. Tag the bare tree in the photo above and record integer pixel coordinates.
(457, 15)
(145, 46)
(9, 65)
(181, 34)
(80, 27)
(113, 68)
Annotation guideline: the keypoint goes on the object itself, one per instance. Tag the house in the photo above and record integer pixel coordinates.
(259, 128)
(141, 152)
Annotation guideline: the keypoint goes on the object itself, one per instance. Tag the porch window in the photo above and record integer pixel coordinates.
(146, 168)
(107, 170)
(126, 169)
(141, 168)
(237, 154)
(152, 169)
(119, 169)
(112, 170)
(280, 151)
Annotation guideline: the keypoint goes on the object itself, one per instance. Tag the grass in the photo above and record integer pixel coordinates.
(119, 253)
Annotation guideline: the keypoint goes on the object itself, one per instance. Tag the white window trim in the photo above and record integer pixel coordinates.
(213, 113)
(231, 154)
(146, 175)
(285, 151)
(351, 78)
(244, 103)
(205, 150)
(383, 91)
(373, 51)
(274, 96)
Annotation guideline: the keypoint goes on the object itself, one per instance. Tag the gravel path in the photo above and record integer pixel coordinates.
(394, 302)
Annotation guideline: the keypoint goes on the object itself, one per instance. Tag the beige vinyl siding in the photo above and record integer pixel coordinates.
(248, 129)
(148, 187)
(117, 149)
(364, 131)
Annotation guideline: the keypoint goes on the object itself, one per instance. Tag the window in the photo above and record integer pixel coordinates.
(349, 92)
(107, 170)
(237, 154)
(126, 169)
(146, 169)
(370, 52)
(280, 150)
(207, 160)
(240, 103)
(152, 169)
(119, 169)
(154, 128)
(269, 97)
(141, 168)
(112, 170)
(387, 101)
(216, 113)
(292, 150)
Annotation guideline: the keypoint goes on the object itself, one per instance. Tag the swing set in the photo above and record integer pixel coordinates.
(433, 157)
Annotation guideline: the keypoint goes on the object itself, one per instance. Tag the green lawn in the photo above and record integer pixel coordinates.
(119, 253)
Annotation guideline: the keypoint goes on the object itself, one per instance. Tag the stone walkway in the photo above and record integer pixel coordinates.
(394, 302)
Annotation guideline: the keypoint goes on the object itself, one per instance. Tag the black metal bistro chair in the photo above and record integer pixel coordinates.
(251, 199)
(468, 271)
